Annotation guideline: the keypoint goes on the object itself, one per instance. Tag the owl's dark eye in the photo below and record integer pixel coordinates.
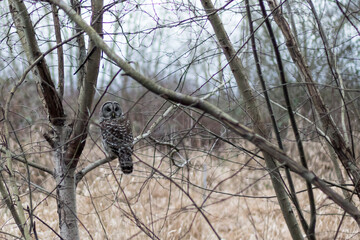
(116, 109)
(108, 109)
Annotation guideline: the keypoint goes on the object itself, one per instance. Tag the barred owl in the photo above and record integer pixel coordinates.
(117, 135)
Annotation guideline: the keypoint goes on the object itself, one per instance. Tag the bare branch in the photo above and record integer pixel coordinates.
(26, 33)
(31, 164)
(308, 228)
(80, 174)
(87, 91)
(293, 196)
(60, 52)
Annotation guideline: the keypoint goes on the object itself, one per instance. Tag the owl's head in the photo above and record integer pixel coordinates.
(110, 110)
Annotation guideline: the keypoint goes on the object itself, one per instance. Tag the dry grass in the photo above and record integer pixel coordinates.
(241, 207)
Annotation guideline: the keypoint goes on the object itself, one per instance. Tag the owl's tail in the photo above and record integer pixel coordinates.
(126, 163)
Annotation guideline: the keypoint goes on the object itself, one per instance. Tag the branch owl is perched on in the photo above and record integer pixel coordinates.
(117, 135)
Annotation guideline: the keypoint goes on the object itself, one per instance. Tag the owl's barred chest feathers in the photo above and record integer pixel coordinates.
(116, 132)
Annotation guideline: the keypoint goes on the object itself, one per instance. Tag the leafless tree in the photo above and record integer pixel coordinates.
(199, 79)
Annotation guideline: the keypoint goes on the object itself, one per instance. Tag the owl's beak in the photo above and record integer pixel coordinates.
(113, 115)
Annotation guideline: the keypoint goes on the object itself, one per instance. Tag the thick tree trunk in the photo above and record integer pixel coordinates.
(66, 199)
(67, 147)
(67, 158)
(65, 185)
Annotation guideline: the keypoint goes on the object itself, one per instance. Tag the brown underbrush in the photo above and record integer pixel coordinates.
(224, 191)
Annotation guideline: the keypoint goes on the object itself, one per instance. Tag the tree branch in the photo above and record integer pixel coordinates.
(41, 72)
(87, 91)
(308, 228)
(31, 164)
(60, 52)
